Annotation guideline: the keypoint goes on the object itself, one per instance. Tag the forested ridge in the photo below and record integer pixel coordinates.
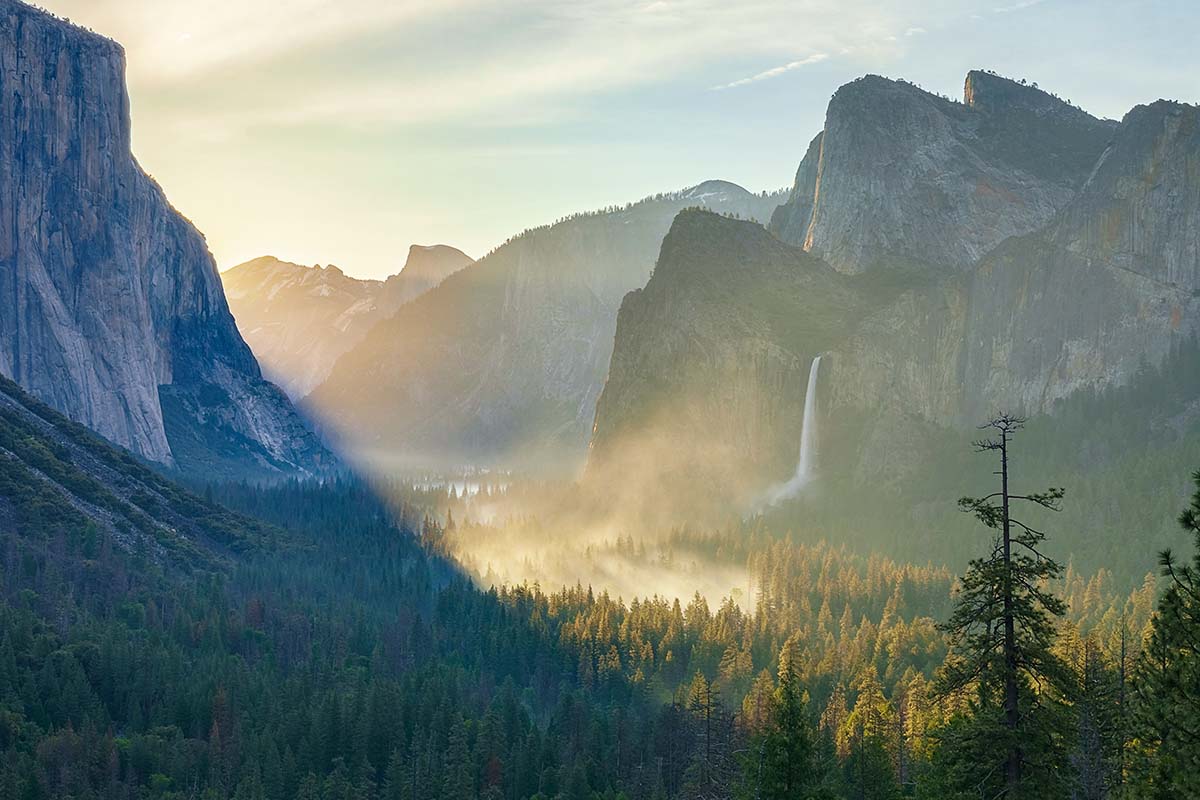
(338, 652)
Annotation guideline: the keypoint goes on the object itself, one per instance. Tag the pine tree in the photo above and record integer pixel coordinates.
(397, 781)
(781, 764)
(460, 775)
(713, 766)
(1002, 633)
(1166, 715)
(1099, 734)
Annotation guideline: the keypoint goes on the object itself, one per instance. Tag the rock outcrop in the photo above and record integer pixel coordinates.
(711, 361)
(110, 304)
(1106, 285)
(299, 320)
(504, 360)
(901, 178)
(1112, 285)
(791, 220)
(425, 268)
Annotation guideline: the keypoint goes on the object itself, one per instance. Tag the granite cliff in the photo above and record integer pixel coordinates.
(711, 361)
(111, 309)
(1083, 276)
(904, 178)
(1109, 287)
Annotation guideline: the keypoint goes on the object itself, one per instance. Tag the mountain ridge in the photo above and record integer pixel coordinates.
(56, 475)
(300, 319)
(1108, 284)
(505, 359)
(943, 181)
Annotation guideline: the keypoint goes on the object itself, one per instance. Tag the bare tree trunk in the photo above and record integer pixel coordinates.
(1012, 711)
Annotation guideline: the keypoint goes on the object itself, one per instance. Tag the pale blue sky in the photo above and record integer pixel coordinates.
(342, 131)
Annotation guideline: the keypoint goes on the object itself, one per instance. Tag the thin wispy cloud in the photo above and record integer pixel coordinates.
(222, 68)
(182, 39)
(774, 72)
(347, 130)
(1021, 5)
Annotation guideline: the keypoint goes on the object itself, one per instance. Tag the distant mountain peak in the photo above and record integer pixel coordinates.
(300, 319)
(714, 187)
(503, 361)
(261, 264)
(1157, 111)
(430, 265)
(434, 248)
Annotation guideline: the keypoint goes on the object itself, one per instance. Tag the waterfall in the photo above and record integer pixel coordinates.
(806, 468)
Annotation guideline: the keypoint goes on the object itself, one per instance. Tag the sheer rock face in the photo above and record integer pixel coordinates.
(1109, 283)
(299, 320)
(905, 357)
(425, 268)
(1113, 283)
(504, 360)
(903, 178)
(711, 361)
(791, 220)
(107, 294)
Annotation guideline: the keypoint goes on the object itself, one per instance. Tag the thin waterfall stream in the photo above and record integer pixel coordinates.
(806, 467)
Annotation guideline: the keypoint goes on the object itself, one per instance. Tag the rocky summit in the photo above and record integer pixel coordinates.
(903, 178)
(111, 309)
(1066, 267)
(1108, 288)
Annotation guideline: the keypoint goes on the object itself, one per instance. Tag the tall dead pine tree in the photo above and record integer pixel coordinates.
(1002, 629)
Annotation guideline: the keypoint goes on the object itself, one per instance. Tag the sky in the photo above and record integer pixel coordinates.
(342, 131)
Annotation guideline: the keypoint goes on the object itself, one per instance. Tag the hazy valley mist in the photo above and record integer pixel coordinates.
(880, 485)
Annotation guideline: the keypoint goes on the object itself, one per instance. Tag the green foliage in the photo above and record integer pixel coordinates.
(1002, 635)
(57, 478)
(1125, 452)
(781, 762)
(1166, 751)
(338, 655)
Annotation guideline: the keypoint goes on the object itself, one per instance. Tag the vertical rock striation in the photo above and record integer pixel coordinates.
(1111, 285)
(951, 302)
(904, 178)
(110, 304)
(791, 220)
